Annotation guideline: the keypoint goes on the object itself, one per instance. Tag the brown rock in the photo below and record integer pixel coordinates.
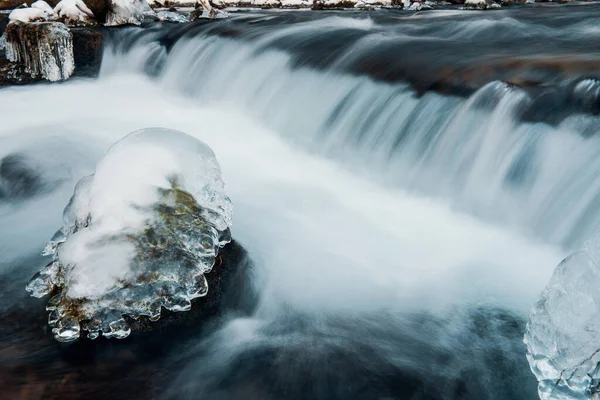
(99, 8)
(10, 4)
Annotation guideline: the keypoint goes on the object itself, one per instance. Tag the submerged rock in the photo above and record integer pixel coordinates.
(563, 332)
(44, 48)
(138, 235)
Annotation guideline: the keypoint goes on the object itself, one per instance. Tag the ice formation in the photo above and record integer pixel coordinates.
(139, 234)
(44, 48)
(563, 332)
(123, 12)
(75, 13)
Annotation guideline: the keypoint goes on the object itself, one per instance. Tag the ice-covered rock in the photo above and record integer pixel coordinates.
(28, 15)
(169, 16)
(44, 48)
(124, 12)
(75, 13)
(296, 3)
(334, 4)
(266, 3)
(139, 234)
(476, 4)
(563, 332)
(371, 4)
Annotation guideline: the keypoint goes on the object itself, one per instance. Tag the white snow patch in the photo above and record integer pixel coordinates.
(27, 15)
(74, 12)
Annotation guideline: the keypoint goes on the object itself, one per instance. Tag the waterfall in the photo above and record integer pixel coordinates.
(480, 153)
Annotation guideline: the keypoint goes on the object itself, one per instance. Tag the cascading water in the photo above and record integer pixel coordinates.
(399, 236)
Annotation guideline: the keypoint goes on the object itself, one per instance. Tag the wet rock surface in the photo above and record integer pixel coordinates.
(88, 46)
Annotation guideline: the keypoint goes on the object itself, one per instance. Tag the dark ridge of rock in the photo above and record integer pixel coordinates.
(38, 367)
(88, 47)
(99, 8)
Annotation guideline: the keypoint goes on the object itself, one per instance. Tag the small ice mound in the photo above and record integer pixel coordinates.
(139, 234)
(563, 332)
(75, 13)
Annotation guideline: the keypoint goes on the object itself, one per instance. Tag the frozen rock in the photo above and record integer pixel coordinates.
(296, 3)
(124, 12)
(266, 3)
(44, 48)
(334, 4)
(42, 5)
(563, 332)
(168, 16)
(372, 4)
(28, 15)
(480, 5)
(75, 13)
(138, 235)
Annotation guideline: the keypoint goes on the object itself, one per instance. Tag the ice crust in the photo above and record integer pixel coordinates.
(139, 234)
(45, 48)
(563, 331)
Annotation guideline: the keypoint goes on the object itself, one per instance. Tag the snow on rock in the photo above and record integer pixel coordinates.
(123, 12)
(266, 3)
(42, 5)
(44, 48)
(75, 13)
(335, 4)
(480, 5)
(563, 331)
(139, 234)
(28, 15)
(373, 3)
(296, 3)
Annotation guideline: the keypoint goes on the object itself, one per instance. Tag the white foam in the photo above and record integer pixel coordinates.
(323, 239)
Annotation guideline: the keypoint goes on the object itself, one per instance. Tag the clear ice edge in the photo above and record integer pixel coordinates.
(165, 240)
